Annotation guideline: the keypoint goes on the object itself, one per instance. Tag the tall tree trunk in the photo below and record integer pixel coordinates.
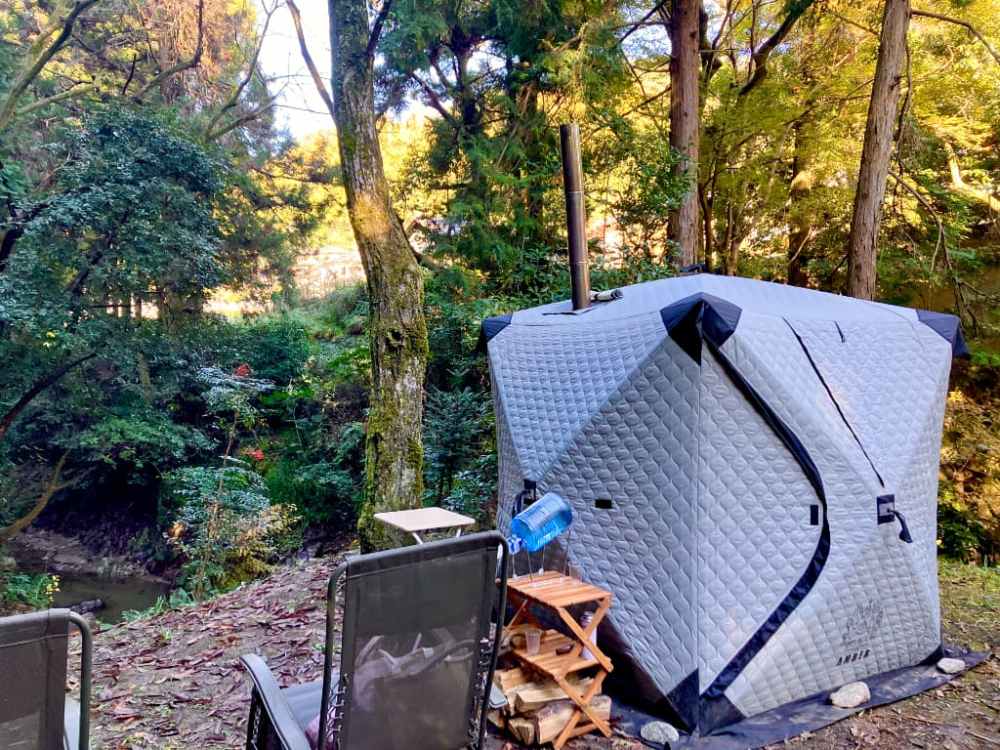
(877, 151)
(394, 450)
(800, 213)
(685, 66)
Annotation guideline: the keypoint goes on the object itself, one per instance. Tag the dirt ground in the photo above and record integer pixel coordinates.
(174, 681)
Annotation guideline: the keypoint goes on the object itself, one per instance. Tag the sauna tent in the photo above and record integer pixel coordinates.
(753, 472)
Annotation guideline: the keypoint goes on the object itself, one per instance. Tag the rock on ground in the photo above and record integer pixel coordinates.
(851, 695)
(951, 666)
(659, 732)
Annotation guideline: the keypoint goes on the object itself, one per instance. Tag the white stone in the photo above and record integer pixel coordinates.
(951, 666)
(659, 732)
(851, 695)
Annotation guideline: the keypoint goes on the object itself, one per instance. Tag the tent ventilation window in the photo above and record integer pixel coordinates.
(887, 513)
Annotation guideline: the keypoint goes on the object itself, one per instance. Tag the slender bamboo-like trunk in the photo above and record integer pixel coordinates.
(800, 213)
(398, 330)
(877, 151)
(685, 67)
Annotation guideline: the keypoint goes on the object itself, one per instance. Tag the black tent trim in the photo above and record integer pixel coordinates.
(491, 327)
(948, 327)
(836, 403)
(705, 318)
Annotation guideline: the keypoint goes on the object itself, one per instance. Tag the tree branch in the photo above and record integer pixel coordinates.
(959, 22)
(44, 54)
(71, 93)
(304, 48)
(376, 31)
(941, 245)
(180, 67)
(37, 389)
(51, 488)
(234, 99)
(761, 55)
(242, 120)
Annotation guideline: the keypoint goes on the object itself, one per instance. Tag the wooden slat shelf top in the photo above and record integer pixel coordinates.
(551, 663)
(553, 589)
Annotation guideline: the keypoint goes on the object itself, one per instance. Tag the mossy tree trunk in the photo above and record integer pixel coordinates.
(398, 330)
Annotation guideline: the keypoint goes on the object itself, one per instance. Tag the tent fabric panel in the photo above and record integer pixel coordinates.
(867, 613)
(755, 535)
(639, 451)
(751, 295)
(885, 378)
(511, 479)
(551, 381)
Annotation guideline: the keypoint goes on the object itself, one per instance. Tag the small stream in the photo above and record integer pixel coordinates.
(79, 583)
(118, 594)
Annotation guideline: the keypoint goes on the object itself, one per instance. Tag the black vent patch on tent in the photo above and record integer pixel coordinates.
(491, 327)
(948, 327)
(700, 316)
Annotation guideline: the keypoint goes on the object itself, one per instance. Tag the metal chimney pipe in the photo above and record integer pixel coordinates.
(576, 215)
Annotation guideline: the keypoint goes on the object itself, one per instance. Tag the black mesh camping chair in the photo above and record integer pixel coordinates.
(35, 713)
(418, 646)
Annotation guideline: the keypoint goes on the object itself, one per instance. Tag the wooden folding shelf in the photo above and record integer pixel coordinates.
(557, 592)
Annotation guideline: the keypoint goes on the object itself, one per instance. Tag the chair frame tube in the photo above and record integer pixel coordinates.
(86, 664)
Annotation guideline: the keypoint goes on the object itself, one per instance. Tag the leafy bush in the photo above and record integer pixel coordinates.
(969, 515)
(276, 347)
(223, 522)
(456, 431)
(322, 477)
(33, 590)
(140, 441)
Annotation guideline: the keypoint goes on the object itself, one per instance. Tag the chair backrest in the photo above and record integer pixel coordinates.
(419, 641)
(33, 653)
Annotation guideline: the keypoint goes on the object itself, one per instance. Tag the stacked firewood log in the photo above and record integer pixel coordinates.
(537, 708)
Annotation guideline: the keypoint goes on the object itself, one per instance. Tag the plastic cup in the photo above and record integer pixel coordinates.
(532, 641)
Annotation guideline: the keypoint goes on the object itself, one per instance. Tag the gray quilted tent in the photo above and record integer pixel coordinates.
(753, 472)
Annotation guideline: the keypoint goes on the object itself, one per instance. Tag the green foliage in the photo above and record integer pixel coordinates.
(222, 520)
(969, 497)
(322, 476)
(276, 347)
(140, 442)
(455, 430)
(33, 590)
(176, 600)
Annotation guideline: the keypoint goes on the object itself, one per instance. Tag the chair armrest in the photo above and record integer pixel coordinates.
(282, 720)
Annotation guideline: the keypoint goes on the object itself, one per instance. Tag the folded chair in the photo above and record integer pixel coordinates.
(35, 713)
(418, 646)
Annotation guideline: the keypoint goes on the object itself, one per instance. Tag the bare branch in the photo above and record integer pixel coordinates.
(241, 121)
(761, 55)
(940, 246)
(180, 67)
(71, 93)
(39, 387)
(641, 22)
(304, 48)
(51, 488)
(234, 99)
(377, 29)
(959, 22)
(42, 55)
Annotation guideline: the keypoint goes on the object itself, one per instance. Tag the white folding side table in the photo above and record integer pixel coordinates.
(420, 520)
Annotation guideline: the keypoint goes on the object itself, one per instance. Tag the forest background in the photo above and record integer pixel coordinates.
(185, 369)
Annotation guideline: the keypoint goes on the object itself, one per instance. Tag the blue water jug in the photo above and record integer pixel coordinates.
(540, 523)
